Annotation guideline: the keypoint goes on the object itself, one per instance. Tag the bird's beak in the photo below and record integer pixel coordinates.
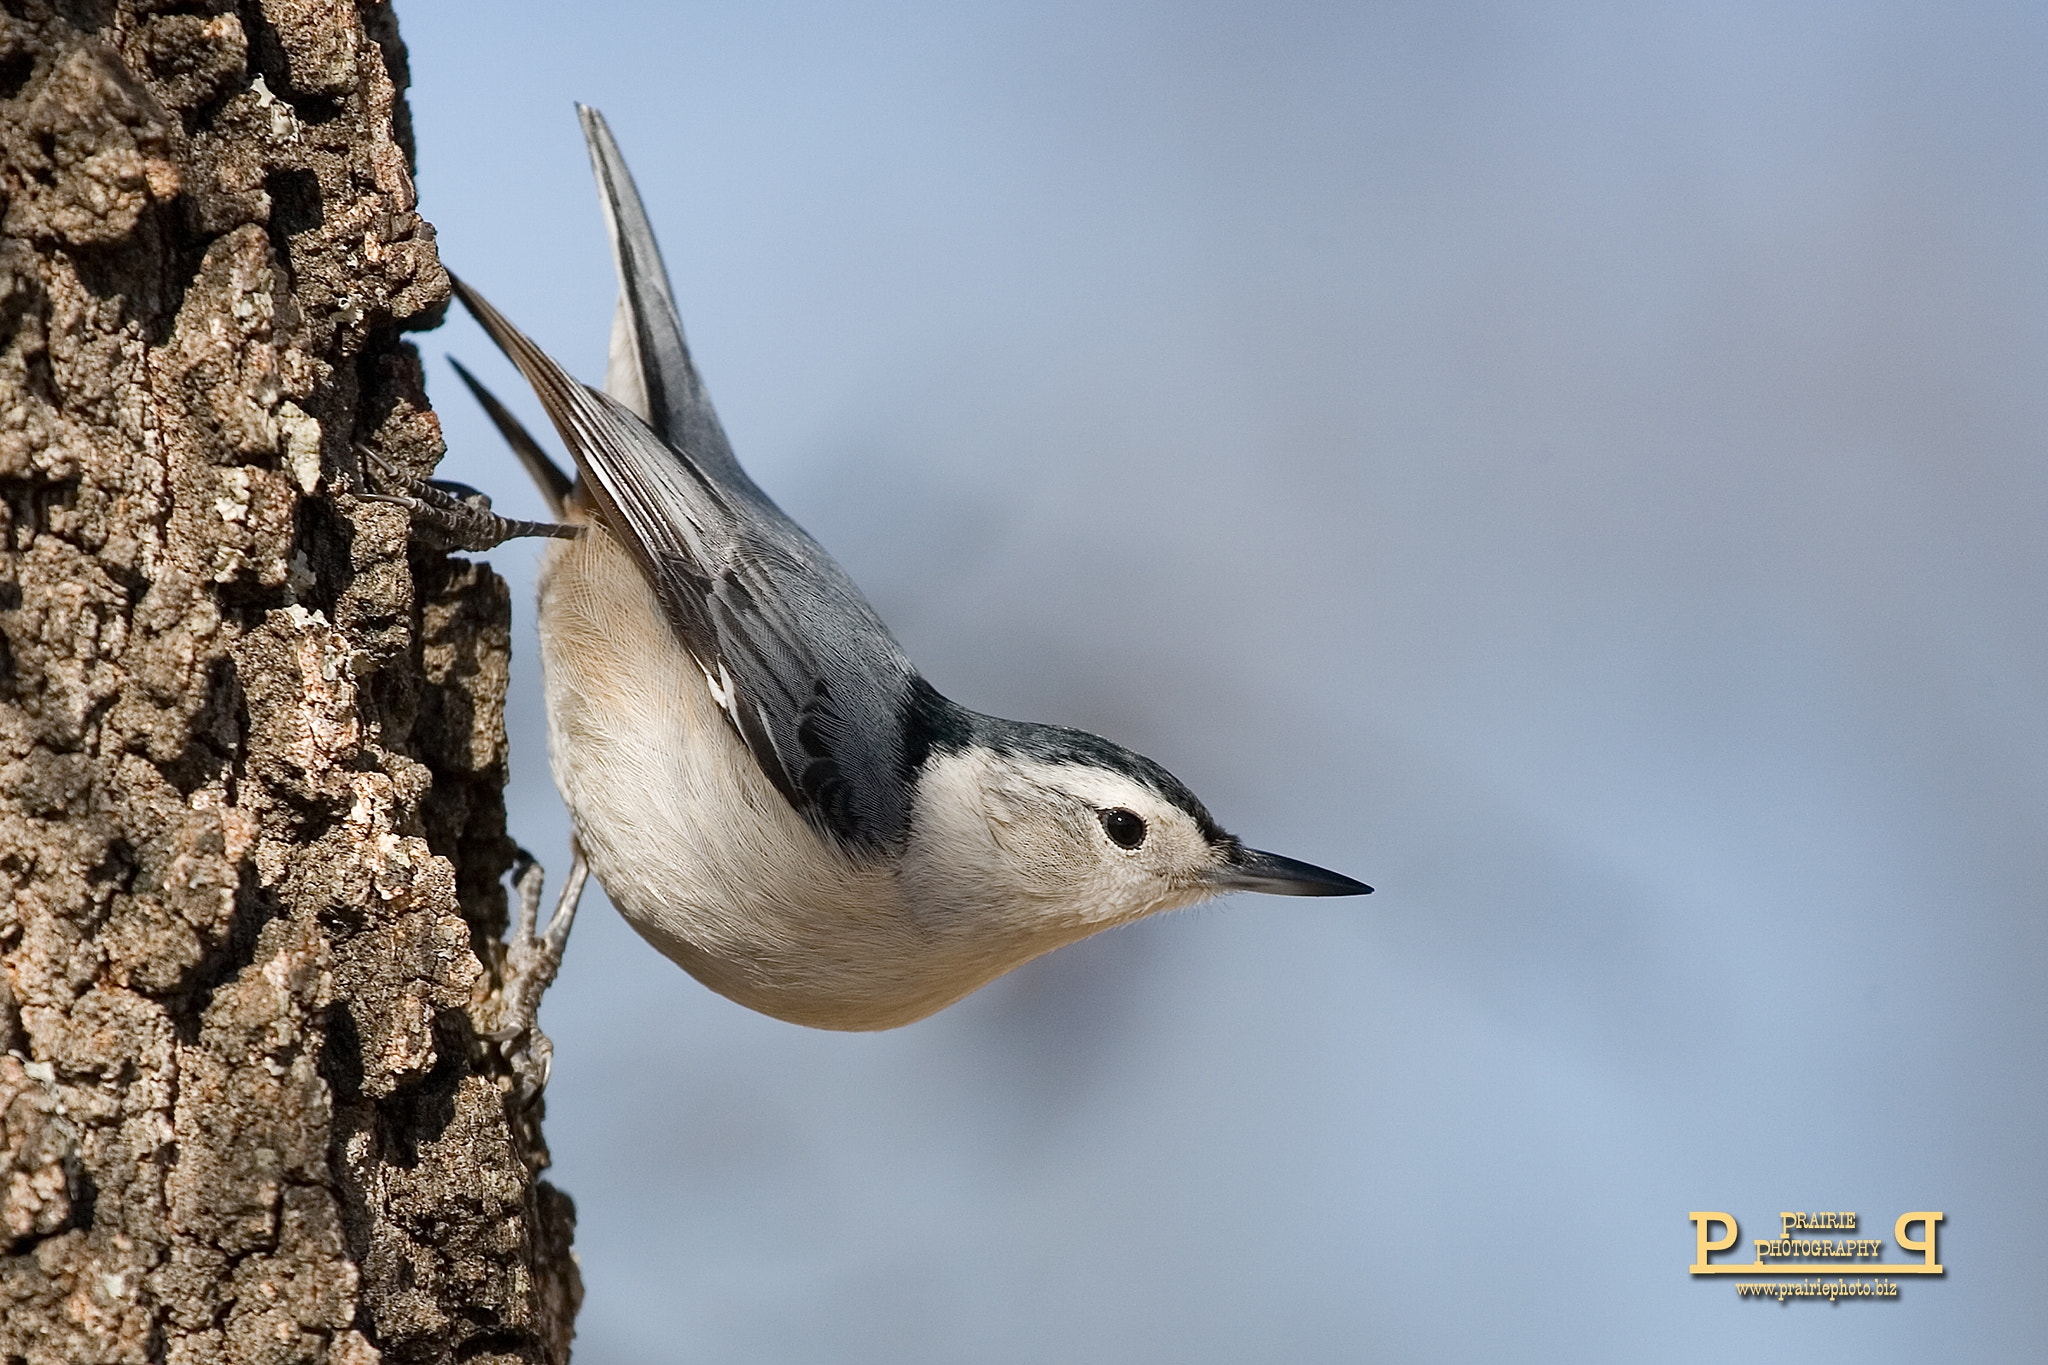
(1250, 870)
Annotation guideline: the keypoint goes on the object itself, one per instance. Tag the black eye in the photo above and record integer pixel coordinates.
(1124, 827)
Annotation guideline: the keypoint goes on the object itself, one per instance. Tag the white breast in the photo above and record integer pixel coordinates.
(699, 852)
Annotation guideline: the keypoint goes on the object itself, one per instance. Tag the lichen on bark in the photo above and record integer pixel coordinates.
(251, 737)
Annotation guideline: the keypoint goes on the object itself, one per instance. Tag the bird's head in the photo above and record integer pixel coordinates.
(1062, 833)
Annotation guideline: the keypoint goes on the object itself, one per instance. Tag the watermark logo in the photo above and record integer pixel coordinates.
(1812, 1245)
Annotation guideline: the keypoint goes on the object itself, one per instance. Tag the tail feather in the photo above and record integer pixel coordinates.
(630, 471)
(650, 370)
(554, 484)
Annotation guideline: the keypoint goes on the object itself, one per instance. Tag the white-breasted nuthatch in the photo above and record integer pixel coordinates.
(763, 783)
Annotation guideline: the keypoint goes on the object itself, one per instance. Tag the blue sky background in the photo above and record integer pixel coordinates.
(1577, 467)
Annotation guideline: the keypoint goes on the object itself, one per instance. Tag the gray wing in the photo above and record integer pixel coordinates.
(804, 669)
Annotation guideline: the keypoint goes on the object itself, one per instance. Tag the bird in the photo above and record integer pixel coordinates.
(767, 788)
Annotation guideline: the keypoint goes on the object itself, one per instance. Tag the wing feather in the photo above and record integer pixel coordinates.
(802, 667)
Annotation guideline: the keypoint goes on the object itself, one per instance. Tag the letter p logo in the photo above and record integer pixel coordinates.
(1702, 1243)
(1930, 1224)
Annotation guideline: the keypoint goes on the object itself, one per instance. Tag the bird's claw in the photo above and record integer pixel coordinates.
(459, 515)
(532, 957)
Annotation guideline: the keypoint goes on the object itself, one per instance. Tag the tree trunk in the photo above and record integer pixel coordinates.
(251, 744)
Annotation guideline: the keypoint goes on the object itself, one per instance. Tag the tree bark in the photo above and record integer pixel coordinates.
(252, 751)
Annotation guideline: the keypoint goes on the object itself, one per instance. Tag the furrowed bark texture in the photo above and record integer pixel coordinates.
(251, 743)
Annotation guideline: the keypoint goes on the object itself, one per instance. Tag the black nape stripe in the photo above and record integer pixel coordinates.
(931, 724)
(934, 724)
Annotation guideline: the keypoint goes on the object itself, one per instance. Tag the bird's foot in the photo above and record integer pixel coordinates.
(532, 956)
(456, 513)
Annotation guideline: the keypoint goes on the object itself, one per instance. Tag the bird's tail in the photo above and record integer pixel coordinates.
(554, 484)
(650, 371)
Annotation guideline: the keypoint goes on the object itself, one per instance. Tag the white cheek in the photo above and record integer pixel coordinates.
(974, 856)
(1020, 843)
